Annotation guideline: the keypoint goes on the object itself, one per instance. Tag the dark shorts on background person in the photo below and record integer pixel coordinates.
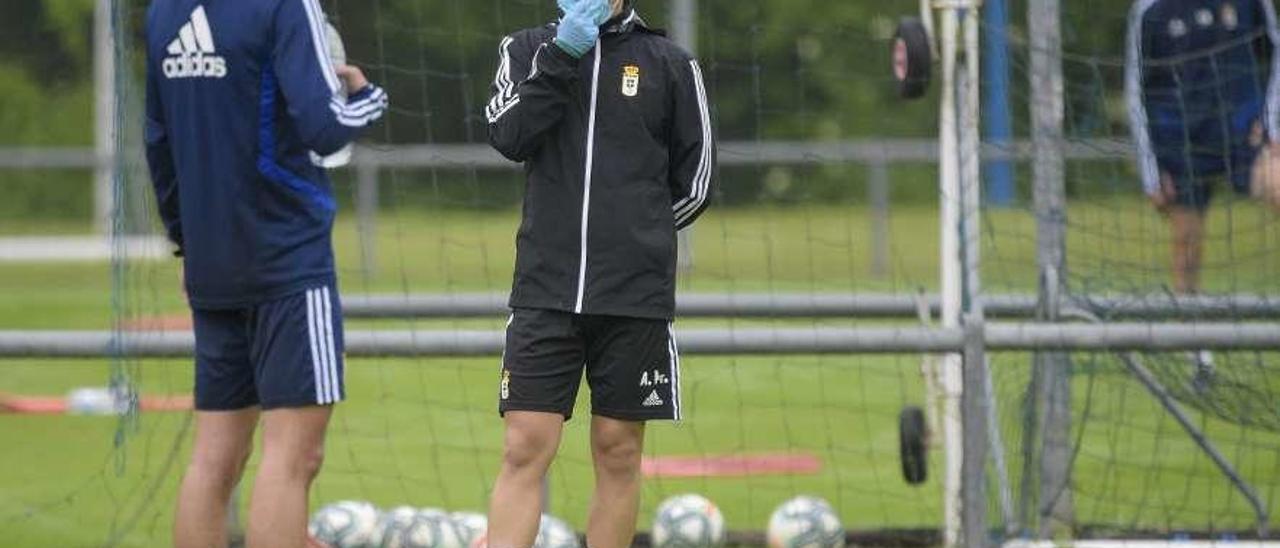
(283, 353)
(632, 365)
(1196, 189)
(1200, 155)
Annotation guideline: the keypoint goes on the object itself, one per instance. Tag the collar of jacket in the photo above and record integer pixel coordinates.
(627, 21)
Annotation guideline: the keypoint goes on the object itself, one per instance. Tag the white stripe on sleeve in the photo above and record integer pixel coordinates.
(1273, 88)
(690, 205)
(1138, 121)
(320, 40)
(505, 97)
(360, 113)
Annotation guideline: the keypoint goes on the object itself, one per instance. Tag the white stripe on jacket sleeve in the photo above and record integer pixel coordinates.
(1273, 88)
(320, 41)
(508, 95)
(1139, 124)
(700, 184)
(505, 96)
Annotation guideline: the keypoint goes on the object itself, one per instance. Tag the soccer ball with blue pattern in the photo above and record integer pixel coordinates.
(554, 533)
(688, 521)
(346, 524)
(805, 522)
(472, 526)
(407, 527)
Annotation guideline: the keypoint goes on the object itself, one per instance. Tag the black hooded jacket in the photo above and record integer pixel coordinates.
(619, 154)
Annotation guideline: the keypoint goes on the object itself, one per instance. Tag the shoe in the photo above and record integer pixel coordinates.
(1206, 372)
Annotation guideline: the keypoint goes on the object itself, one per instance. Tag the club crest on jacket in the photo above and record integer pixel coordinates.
(631, 80)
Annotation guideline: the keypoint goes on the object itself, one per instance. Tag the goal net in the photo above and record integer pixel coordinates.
(819, 200)
(825, 218)
(1096, 445)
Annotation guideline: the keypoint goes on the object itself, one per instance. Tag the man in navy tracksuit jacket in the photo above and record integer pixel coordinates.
(242, 102)
(1202, 94)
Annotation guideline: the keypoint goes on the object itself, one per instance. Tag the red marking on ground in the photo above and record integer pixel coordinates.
(52, 405)
(775, 464)
(172, 322)
(33, 405)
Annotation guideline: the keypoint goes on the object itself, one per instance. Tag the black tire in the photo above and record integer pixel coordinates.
(911, 445)
(912, 58)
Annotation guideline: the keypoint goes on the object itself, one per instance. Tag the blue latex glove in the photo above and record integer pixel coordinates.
(580, 26)
(567, 6)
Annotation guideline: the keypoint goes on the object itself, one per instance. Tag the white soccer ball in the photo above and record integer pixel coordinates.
(554, 533)
(805, 522)
(472, 526)
(688, 521)
(408, 527)
(346, 524)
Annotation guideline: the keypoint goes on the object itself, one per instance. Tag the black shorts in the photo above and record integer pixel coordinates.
(632, 365)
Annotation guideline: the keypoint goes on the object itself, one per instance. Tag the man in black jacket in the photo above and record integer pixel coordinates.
(612, 123)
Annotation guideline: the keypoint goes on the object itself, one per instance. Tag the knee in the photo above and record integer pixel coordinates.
(303, 463)
(299, 464)
(310, 462)
(617, 455)
(523, 450)
(222, 468)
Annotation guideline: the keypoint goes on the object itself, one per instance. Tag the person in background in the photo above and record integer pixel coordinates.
(1201, 86)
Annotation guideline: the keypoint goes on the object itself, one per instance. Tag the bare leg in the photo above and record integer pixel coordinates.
(292, 452)
(1188, 249)
(1188, 246)
(224, 440)
(616, 447)
(516, 505)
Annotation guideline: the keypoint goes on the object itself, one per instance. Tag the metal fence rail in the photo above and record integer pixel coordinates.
(837, 305)
(797, 341)
(877, 155)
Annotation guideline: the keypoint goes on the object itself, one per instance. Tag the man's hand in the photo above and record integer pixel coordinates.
(352, 78)
(1166, 195)
(1265, 179)
(580, 27)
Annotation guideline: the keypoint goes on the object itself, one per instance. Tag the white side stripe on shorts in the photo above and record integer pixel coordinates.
(674, 351)
(315, 345)
(324, 362)
(335, 383)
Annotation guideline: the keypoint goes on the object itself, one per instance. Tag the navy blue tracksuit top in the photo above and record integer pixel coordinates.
(242, 101)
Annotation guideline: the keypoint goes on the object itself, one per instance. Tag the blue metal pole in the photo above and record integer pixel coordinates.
(997, 119)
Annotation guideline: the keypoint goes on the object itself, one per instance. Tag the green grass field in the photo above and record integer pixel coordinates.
(424, 432)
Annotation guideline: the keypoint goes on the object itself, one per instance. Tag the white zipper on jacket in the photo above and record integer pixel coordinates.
(586, 179)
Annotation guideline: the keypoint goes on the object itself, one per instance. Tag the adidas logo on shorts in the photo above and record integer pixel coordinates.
(191, 54)
(654, 400)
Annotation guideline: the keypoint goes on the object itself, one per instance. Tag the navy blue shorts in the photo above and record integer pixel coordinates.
(1194, 188)
(279, 354)
(1200, 154)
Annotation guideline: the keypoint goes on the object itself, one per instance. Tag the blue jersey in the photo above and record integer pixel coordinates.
(242, 101)
(1199, 76)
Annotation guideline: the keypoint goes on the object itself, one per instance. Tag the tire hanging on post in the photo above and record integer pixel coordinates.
(912, 58)
(912, 446)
